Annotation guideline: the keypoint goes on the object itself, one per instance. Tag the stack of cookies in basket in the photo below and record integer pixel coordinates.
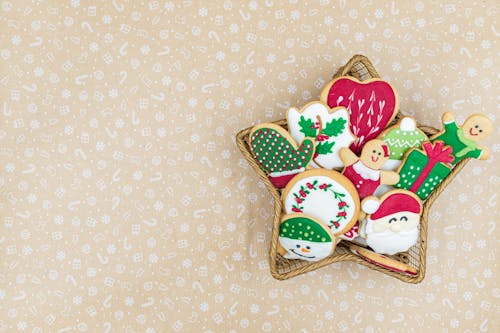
(346, 175)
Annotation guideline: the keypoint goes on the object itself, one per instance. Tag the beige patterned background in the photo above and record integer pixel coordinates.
(126, 206)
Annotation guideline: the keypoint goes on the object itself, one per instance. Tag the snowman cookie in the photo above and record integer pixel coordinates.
(392, 223)
(325, 195)
(383, 261)
(278, 154)
(400, 138)
(464, 140)
(330, 127)
(364, 171)
(303, 237)
(372, 105)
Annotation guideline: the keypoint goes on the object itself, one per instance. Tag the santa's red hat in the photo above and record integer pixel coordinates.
(394, 203)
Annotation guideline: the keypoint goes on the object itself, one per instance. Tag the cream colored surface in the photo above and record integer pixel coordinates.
(126, 207)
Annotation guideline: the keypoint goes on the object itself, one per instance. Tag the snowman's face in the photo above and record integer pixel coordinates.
(398, 222)
(305, 250)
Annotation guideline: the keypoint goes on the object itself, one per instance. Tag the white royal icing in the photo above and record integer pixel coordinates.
(317, 250)
(321, 204)
(366, 172)
(389, 242)
(331, 160)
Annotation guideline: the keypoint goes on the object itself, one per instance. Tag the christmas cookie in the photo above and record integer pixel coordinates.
(383, 261)
(400, 138)
(278, 154)
(392, 223)
(303, 237)
(422, 171)
(372, 104)
(325, 195)
(351, 233)
(464, 140)
(330, 127)
(364, 171)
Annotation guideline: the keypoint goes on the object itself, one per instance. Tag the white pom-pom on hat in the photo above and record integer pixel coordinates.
(407, 124)
(370, 204)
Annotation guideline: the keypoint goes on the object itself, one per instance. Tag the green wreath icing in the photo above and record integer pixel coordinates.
(303, 228)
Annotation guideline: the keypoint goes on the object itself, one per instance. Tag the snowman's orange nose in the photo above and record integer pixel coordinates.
(303, 249)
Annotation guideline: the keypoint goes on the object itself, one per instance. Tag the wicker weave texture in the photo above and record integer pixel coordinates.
(362, 69)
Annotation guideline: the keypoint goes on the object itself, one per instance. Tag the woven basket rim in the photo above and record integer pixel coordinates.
(243, 144)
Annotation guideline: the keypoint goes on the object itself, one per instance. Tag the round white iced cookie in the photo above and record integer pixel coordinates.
(329, 127)
(303, 237)
(325, 195)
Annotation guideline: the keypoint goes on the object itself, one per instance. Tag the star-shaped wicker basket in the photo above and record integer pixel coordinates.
(362, 69)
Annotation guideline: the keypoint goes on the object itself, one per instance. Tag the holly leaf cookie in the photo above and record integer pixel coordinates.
(325, 195)
(278, 154)
(330, 128)
(371, 104)
(303, 237)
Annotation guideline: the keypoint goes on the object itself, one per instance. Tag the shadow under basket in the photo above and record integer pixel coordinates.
(362, 69)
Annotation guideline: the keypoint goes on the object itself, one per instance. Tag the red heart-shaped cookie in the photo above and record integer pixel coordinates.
(372, 105)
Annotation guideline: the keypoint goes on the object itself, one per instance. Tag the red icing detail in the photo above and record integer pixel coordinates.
(436, 153)
(370, 105)
(395, 203)
(281, 181)
(394, 269)
(374, 158)
(366, 188)
(471, 133)
(353, 232)
(386, 150)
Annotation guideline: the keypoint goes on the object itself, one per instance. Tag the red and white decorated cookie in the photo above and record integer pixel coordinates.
(372, 105)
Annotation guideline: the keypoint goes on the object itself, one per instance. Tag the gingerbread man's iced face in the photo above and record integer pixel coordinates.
(374, 154)
(402, 221)
(477, 127)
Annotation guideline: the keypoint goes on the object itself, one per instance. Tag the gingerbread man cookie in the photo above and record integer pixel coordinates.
(364, 171)
(392, 223)
(330, 127)
(372, 104)
(464, 140)
(278, 154)
(304, 237)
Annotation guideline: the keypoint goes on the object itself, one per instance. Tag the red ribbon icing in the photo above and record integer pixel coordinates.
(436, 153)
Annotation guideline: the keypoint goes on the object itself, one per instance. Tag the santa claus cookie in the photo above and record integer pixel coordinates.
(364, 171)
(400, 138)
(464, 140)
(325, 195)
(383, 261)
(392, 223)
(303, 237)
(330, 127)
(372, 104)
(278, 154)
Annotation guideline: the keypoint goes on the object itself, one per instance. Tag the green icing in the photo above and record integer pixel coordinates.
(412, 168)
(275, 153)
(303, 228)
(400, 142)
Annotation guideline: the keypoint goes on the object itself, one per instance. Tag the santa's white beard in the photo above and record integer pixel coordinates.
(389, 242)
